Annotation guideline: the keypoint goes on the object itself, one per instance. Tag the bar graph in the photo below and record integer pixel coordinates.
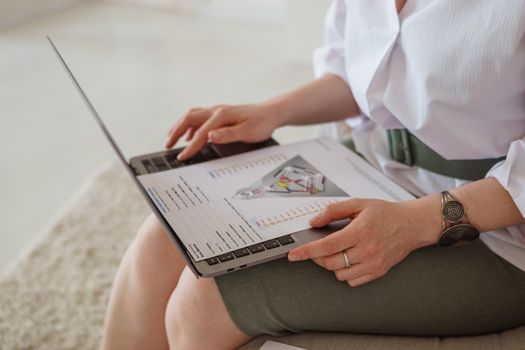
(303, 211)
(274, 159)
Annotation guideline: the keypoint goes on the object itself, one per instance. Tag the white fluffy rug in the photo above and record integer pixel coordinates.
(54, 295)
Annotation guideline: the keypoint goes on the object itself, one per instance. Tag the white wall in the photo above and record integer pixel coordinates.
(254, 11)
(15, 11)
(305, 22)
(301, 21)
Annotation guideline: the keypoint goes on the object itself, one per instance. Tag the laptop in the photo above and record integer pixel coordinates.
(158, 162)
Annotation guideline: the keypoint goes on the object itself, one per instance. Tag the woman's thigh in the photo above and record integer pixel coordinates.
(145, 280)
(460, 290)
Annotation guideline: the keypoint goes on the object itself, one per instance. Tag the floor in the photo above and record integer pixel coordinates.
(142, 68)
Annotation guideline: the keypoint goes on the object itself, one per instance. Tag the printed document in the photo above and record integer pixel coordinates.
(234, 202)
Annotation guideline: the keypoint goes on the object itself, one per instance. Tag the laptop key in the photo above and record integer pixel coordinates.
(226, 257)
(158, 161)
(271, 244)
(241, 252)
(209, 153)
(173, 162)
(149, 167)
(284, 240)
(171, 156)
(256, 248)
(162, 167)
(212, 261)
(198, 158)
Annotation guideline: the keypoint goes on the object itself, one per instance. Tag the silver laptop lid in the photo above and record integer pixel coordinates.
(92, 109)
(124, 161)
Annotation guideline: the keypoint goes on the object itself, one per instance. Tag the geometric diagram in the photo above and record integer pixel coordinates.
(294, 178)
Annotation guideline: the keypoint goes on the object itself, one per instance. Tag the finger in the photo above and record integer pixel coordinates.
(337, 211)
(218, 119)
(320, 262)
(180, 123)
(228, 134)
(330, 245)
(337, 261)
(353, 272)
(362, 280)
(332, 262)
(190, 133)
(193, 110)
(193, 118)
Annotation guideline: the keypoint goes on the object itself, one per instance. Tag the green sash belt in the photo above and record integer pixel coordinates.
(408, 149)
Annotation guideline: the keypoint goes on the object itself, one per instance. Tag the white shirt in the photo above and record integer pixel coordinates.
(453, 73)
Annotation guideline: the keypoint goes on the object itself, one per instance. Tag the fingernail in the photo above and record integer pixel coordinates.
(293, 257)
(180, 156)
(314, 219)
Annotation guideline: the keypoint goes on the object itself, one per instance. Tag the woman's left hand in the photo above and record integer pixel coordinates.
(380, 235)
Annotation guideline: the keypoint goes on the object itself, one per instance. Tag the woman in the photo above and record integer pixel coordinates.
(453, 74)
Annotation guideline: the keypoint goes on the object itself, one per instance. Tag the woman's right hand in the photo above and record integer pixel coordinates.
(223, 124)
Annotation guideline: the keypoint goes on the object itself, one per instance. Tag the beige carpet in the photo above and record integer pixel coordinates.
(54, 295)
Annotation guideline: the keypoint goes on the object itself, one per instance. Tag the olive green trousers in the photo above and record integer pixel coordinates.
(460, 290)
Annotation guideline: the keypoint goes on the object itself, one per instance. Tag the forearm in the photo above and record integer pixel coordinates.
(324, 100)
(487, 204)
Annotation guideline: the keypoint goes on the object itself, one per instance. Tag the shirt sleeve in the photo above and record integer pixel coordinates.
(330, 58)
(510, 173)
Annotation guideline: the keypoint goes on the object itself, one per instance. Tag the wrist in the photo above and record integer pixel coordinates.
(278, 111)
(426, 212)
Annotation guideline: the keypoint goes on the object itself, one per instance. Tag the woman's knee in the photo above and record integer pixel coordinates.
(151, 260)
(152, 247)
(196, 308)
(184, 313)
(151, 234)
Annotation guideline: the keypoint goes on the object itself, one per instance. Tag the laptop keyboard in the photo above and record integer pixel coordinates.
(254, 249)
(170, 161)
